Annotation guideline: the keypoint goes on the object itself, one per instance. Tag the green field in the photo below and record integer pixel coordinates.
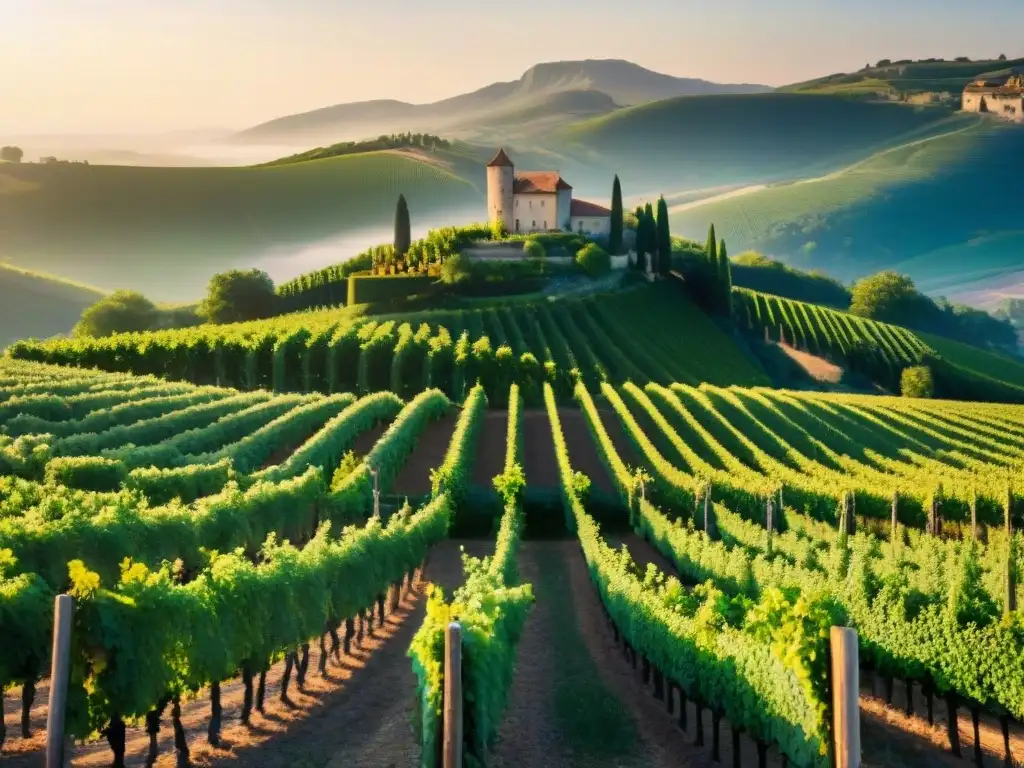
(704, 141)
(909, 78)
(38, 305)
(940, 208)
(165, 231)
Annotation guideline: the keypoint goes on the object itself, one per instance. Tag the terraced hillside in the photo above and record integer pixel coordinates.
(646, 334)
(763, 517)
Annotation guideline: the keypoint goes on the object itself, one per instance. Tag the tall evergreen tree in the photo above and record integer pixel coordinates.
(651, 237)
(664, 239)
(725, 278)
(712, 247)
(403, 234)
(615, 237)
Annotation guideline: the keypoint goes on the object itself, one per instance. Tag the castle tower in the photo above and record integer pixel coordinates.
(500, 179)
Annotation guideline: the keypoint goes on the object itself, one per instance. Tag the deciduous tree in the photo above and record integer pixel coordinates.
(11, 154)
(239, 295)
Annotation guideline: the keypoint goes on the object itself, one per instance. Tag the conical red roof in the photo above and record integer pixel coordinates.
(500, 160)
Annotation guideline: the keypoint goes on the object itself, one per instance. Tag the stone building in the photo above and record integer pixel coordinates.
(1003, 99)
(539, 201)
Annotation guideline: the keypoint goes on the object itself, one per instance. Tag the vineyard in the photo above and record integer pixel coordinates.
(595, 339)
(232, 552)
(880, 350)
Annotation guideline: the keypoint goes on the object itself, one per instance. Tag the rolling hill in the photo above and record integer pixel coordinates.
(40, 306)
(165, 231)
(942, 209)
(707, 141)
(464, 116)
(907, 78)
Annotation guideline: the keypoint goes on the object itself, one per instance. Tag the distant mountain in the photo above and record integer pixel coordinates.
(595, 85)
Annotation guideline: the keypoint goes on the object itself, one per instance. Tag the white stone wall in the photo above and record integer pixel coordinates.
(564, 208)
(1006, 107)
(595, 226)
(499, 195)
(535, 213)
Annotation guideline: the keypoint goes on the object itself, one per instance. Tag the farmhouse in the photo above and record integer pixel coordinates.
(1005, 100)
(539, 201)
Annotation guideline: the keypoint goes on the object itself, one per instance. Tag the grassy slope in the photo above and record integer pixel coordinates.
(36, 305)
(942, 209)
(711, 140)
(918, 77)
(166, 230)
(1001, 368)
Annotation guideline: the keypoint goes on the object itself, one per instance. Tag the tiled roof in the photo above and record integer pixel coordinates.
(500, 160)
(587, 208)
(538, 182)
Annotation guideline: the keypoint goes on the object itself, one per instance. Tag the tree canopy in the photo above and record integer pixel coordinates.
(239, 295)
(403, 233)
(120, 312)
(11, 154)
(615, 235)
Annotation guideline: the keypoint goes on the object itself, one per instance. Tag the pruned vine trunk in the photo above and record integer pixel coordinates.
(115, 733)
(180, 742)
(261, 690)
(246, 694)
(952, 726)
(28, 696)
(213, 730)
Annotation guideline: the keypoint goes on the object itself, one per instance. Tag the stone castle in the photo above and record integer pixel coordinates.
(1003, 99)
(539, 201)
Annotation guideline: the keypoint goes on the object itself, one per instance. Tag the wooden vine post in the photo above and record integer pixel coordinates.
(845, 693)
(452, 740)
(61, 662)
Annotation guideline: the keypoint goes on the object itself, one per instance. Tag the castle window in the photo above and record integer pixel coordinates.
(533, 224)
(517, 225)
(545, 225)
(517, 202)
(541, 203)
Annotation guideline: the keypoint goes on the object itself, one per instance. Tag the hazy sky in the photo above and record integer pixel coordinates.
(153, 65)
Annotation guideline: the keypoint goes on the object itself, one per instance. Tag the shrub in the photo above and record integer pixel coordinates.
(120, 312)
(917, 382)
(456, 269)
(594, 260)
(369, 289)
(239, 295)
(534, 249)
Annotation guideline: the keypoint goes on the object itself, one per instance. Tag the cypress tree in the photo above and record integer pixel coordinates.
(664, 238)
(403, 235)
(615, 237)
(639, 244)
(651, 237)
(725, 278)
(712, 248)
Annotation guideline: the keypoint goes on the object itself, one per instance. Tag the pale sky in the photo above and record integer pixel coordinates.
(123, 66)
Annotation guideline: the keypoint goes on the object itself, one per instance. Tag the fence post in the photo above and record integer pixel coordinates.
(59, 669)
(845, 695)
(452, 754)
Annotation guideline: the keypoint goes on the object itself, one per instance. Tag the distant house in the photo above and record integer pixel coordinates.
(1003, 99)
(539, 201)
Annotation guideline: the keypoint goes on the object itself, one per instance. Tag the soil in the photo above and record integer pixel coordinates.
(366, 440)
(359, 715)
(414, 479)
(818, 368)
(539, 462)
(490, 450)
(623, 445)
(583, 453)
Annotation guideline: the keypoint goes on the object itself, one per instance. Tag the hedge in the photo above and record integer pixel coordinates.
(367, 289)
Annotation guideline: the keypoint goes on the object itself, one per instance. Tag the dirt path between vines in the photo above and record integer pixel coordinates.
(359, 715)
(490, 449)
(414, 477)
